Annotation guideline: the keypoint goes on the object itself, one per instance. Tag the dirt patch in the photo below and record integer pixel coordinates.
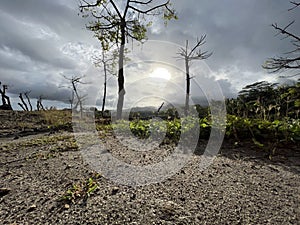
(242, 186)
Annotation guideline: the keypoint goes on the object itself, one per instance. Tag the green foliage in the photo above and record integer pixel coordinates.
(263, 100)
(172, 130)
(264, 130)
(81, 191)
(109, 24)
(139, 30)
(257, 130)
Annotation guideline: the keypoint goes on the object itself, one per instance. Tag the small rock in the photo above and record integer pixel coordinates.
(68, 166)
(4, 191)
(133, 196)
(114, 190)
(182, 199)
(67, 206)
(31, 208)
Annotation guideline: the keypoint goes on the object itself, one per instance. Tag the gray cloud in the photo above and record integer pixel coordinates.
(42, 40)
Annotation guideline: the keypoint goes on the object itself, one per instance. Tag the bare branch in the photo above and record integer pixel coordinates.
(283, 30)
(142, 3)
(116, 9)
(278, 64)
(89, 5)
(193, 54)
(199, 43)
(296, 4)
(151, 9)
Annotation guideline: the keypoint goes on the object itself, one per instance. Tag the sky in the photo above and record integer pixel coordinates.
(42, 42)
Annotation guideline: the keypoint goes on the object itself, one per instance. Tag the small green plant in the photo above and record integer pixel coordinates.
(81, 191)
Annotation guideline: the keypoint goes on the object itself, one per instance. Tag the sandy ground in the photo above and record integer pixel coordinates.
(242, 186)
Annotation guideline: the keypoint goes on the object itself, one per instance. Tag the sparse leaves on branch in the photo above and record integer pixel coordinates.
(108, 18)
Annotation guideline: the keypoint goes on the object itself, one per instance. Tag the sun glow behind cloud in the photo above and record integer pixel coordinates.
(161, 72)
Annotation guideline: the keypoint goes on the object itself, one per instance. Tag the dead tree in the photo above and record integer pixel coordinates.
(39, 104)
(23, 103)
(291, 59)
(159, 108)
(75, 94)
(28, 99)
(6, 105)
(109, 63)
(188, 55)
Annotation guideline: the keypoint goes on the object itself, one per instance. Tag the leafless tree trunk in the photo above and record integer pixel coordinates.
(189, 55)
(104, 91)
(79, 99)
(5, 99)
(23, 102)
(28, 99)
(121, 72)
(108, 63)
(39, 104)
(159, 108)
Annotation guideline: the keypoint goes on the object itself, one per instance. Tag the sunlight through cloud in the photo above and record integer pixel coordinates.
(161, 72)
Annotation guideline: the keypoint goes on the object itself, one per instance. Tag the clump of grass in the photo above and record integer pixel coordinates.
(57, 119)
(43, 156)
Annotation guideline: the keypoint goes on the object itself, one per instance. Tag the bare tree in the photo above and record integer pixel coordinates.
(116, 20)
(160, 107)
(28, 99)
(109, 63)
(188, 55)
(23, 103)
(291, 59)
(5, 99)
(39, 104)
(75, 94)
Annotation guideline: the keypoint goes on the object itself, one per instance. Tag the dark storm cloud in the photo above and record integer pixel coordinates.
(239, 33)
(42, 40)
(36, 41)
(236, 30)
(35, 30)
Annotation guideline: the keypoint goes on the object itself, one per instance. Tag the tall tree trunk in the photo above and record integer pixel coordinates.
(3, 97)
(8, 102)
(79, 99)
(104, 94)
(121, 73)
(188, 86)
